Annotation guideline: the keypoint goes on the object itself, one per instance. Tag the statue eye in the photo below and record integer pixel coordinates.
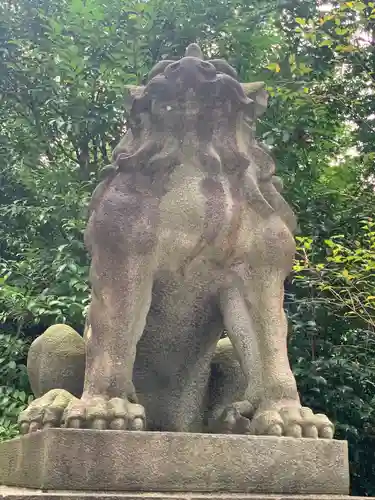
(161, 107)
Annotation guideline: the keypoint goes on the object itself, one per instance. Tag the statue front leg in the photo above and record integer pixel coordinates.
(117, 317)
(257, 327)
(120, 303)
(122, 245)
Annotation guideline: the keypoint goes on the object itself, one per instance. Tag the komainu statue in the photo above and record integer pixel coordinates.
(189, 237)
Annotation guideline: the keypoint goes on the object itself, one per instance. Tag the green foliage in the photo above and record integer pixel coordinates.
(345, 280)
(333, 341)
(43, 277)
(63, 68)
(14, 387)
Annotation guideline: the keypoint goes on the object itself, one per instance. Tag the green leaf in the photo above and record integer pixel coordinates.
(301, 21)
(326, 43)
(274, 67)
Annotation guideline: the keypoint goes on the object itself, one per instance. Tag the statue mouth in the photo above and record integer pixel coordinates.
(191, 108)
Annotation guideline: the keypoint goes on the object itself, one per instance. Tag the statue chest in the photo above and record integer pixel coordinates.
(208, 218)
(196, 203)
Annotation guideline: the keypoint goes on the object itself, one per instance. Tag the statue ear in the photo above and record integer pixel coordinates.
(255, 91)
(159, 68)
(133, 92)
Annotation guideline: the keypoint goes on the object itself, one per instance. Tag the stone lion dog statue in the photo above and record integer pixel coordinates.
(189, 237)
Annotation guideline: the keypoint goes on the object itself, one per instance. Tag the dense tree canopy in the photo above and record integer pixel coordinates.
(63, 70)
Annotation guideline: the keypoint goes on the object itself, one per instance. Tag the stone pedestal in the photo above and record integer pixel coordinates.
(25, 494)
(7, 493)
(173, 464)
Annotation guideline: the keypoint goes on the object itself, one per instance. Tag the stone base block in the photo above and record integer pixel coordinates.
(90, 460)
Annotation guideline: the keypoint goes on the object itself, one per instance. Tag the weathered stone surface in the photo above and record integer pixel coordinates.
(56, 360)
(189, 236)
(27, 494)
(60, 459)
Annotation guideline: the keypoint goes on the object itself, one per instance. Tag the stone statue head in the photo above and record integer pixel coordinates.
(190, 107)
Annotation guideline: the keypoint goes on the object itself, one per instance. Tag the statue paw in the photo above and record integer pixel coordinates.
(46, 411)
(59, 408)
(235, 419)
(292, 420)
(97, 412)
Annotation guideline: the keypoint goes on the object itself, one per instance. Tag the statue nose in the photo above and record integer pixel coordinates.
(190, 70)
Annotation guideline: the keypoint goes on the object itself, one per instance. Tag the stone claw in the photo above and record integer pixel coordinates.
(138, 424)
(310, 431)
(99, 424)
(118, 424)
(74, 423)
(275, 430)
(327, 432)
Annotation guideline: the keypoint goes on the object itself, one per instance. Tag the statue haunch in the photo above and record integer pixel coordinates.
(188, 235)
